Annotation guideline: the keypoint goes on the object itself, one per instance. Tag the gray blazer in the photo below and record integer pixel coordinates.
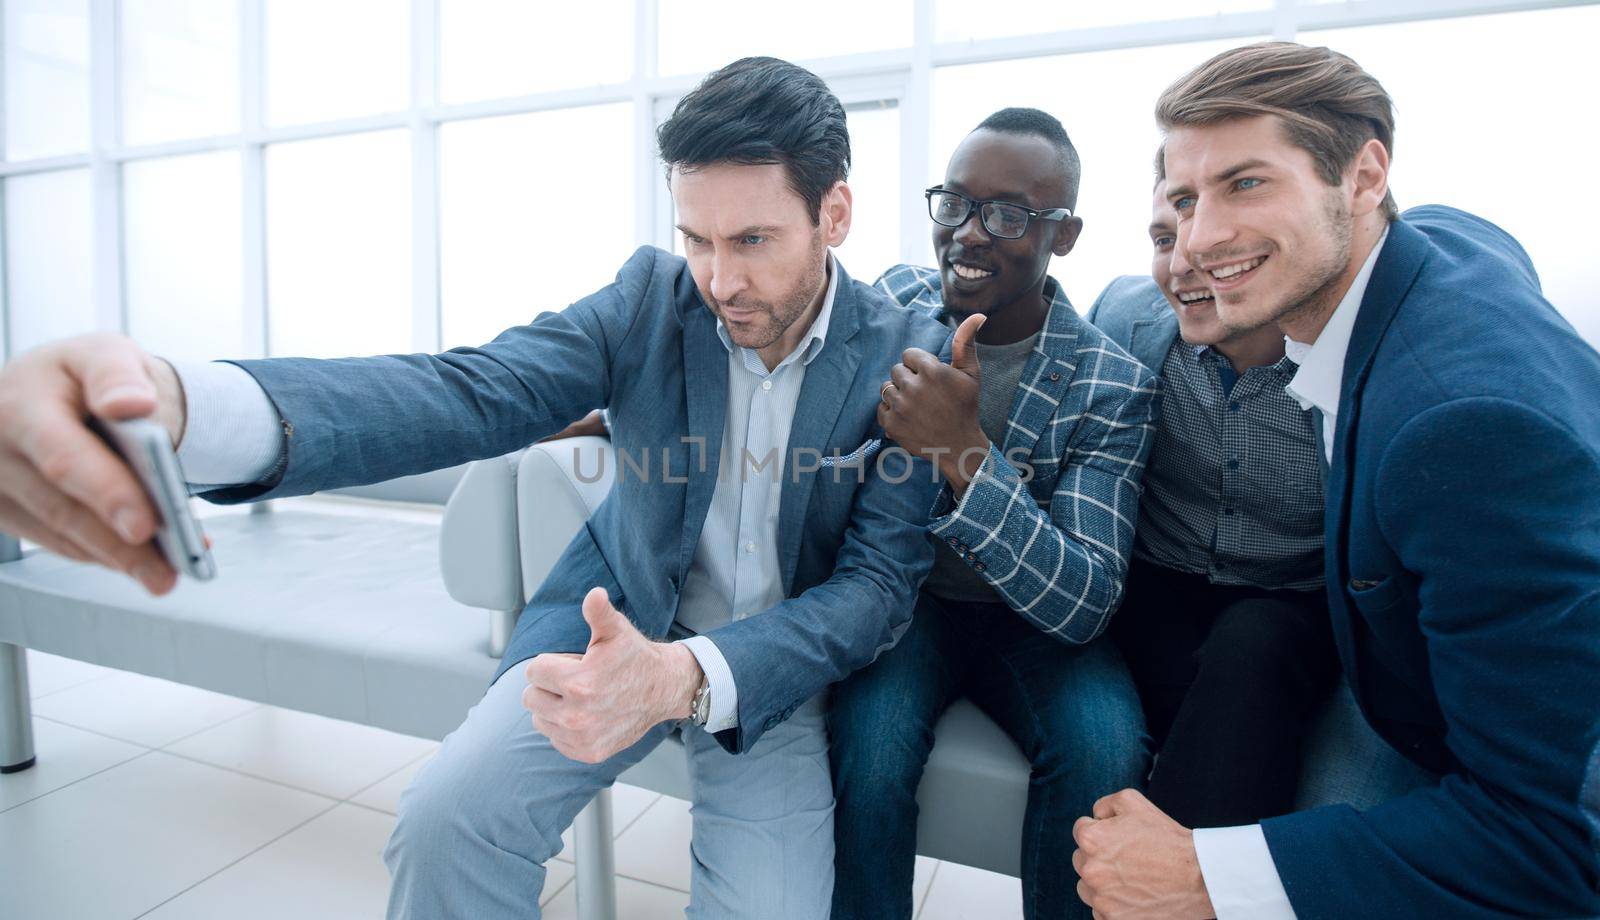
(1132, 312)
(853, 543)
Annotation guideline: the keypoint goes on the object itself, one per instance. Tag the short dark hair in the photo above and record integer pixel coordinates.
(760, 110)
(1041, 124)
(1329, 106)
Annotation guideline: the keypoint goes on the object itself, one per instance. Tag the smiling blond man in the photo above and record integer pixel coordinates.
(1455, 408)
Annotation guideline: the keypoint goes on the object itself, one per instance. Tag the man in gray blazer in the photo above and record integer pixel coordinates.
(774, 545)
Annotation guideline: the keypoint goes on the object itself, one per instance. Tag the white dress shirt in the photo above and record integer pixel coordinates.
(234, 436)
(735, 572)
(1234, 861)
(1321, 376)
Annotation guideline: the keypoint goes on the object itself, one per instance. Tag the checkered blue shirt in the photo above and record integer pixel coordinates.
(1049, 518)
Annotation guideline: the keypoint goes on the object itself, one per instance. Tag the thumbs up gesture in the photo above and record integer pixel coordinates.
(963, 355)
(597, 704)
(931, 408)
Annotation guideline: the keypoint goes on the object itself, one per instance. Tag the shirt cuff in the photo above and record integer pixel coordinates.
(232, 435)
(724, 693)
(1239, 874)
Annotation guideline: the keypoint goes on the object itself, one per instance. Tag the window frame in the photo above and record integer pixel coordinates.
(902, 75)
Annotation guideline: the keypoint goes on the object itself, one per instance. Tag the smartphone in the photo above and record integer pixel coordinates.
(144, 446)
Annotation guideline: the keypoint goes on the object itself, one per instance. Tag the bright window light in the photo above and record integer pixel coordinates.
(329, 59)
(496, 48)
(339, 246)
(180, 69)
(46, 78)
(702, 35)
(1500, 141)
(49, 276)
(182, 251)
(526, 224)
(874, 241)
(963, 20)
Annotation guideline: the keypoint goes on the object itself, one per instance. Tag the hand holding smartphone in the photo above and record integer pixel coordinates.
(144, 447)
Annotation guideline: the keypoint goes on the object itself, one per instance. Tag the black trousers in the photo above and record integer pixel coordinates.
(1230, 678)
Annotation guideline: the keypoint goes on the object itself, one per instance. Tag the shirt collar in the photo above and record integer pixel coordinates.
(1316, 384)
(815, 337)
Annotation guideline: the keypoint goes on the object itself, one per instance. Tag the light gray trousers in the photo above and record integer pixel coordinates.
(483, 817)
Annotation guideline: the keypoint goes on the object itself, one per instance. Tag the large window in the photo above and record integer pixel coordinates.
(339, 245)
(184, 286)
(180, 69)
(321, 177)
(49, 287)
(46, 77)
(697, 36)
(491, 49)
(1500, 141)
(524, 227)
(330, 59)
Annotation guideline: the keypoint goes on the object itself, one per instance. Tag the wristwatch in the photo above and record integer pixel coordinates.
(700, 706)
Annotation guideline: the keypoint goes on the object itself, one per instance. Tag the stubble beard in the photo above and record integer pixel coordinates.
(792, 305)
(1314, 295)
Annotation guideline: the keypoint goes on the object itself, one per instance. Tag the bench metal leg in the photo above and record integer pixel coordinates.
(596, 860)
(16, 715)
(501, 623)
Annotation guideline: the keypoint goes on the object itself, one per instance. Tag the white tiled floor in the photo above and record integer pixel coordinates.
(155, 800)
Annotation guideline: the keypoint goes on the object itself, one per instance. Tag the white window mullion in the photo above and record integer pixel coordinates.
(916, 135)
(105, 174)
(253, 185)
(426, 321)
(648, 184)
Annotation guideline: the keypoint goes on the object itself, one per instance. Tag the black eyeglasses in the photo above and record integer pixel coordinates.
(1001, 218)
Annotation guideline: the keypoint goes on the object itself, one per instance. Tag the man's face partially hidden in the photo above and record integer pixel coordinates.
(1271, 238)
(752, 248)
(1186, 291)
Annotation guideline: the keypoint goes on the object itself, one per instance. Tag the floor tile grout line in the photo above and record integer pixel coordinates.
(337, 800)
(80, 779)
(557, 893)
(645, 881)
(932, 877)
(635, 820)
(392, 773)
(365, 807)
(233, 718)
(202, 881)
(163, 746)
(81, 683)
(207, 763)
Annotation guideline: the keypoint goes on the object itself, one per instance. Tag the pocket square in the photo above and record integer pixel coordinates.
(859, 455)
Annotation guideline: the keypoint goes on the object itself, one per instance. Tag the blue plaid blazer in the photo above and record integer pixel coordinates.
(1048, 520)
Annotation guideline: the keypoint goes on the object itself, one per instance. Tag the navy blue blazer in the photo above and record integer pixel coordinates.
(853, 542)
(1463, 566)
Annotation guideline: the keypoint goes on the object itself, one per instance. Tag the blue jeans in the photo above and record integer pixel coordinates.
(1071, 709)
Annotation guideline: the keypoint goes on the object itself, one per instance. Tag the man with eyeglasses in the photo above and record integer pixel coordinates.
(1040, 426)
